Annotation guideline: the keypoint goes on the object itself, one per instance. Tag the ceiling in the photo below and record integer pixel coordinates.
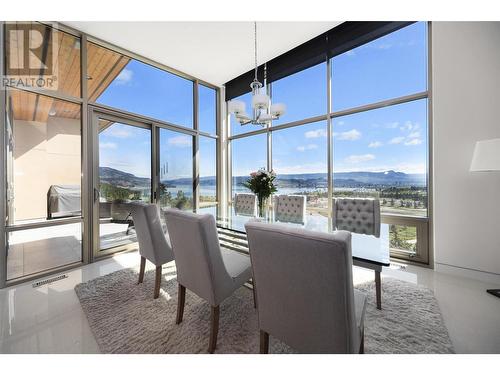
(214, 52)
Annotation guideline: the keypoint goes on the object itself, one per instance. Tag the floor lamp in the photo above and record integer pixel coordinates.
(486, 158)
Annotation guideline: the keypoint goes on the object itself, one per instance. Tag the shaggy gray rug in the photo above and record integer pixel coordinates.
(125, 318)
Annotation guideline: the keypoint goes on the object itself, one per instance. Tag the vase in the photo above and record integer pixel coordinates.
(261, 205)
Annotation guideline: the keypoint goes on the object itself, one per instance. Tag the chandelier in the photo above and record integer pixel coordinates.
(263, 111)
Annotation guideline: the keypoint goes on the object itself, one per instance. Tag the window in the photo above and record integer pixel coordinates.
(248, 155)
(121, 82)
(44, 156)
(300, 162)
(176, 170)
(43, 163)
(383, 153)
(304, 94)
(207, 169)
(389, 67)
(207, 109)
(62, 57)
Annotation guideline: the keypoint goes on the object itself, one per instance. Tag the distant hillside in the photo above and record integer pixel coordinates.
(122, 179)
(306, 180)
(347, 179)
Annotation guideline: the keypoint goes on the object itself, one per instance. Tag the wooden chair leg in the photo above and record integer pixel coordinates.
(214, 328)
(362, 344)
(264, 342)
(181, 300)
(157, 282)
(141, 270)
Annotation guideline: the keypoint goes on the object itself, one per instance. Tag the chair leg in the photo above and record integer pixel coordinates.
(254, 296)
(362, 344)
(181, 300)
(157, 282)
(264, 342)
(214, 328)
(141, 270)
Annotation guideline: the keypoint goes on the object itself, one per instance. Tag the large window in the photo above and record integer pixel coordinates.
(207, 103)
(248, 155)
(176, 170)
(303, 93)
(389, 67)
(300, 162)
(383, 153)
(121, 82)
(379, 135)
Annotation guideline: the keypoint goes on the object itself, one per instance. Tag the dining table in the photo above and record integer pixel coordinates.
(368, 251)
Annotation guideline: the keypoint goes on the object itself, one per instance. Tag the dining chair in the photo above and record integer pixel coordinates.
(357, 215)
(154, 244)
(305, 295)
(290, 208)
(245, 204)
(211, 272)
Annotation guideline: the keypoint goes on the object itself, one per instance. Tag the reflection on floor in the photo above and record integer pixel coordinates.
(49, 319)
(40, 249)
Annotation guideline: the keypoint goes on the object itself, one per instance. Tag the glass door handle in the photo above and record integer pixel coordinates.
(96, 195)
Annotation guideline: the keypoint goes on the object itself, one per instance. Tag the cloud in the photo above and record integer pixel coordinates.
(413, 142)
(396, 140)
(414, 135)
(107, 145)
(409, 126)
(300, 168)
(350, 135)
(118, 132)
(315, 133)
(375, 144)
(354, 159)
(180, 141)
(124, 77)
(392, 125)
(311, 146)
(341, 122)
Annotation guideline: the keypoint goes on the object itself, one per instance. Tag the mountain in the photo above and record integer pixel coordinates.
(347, 179)
(305, 180)
(122, 179)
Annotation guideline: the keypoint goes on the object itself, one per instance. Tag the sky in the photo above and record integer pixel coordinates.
(393, 137)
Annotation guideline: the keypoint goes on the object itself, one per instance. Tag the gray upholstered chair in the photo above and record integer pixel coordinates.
(357, 215)
(290, 208)
(245, 204)
(305, 294)
(154, 244)
(211, 272)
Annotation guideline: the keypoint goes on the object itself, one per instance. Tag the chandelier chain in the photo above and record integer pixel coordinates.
(255, 45)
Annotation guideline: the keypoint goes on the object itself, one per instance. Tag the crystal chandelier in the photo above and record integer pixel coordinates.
(263, 111)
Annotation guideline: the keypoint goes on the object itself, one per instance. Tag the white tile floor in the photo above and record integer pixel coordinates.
(49, 319)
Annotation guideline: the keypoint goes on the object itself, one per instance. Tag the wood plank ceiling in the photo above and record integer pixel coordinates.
(103, 66)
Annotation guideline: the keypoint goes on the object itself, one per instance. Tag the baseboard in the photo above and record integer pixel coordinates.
(486, 277)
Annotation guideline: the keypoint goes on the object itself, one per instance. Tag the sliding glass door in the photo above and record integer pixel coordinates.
(122, 175)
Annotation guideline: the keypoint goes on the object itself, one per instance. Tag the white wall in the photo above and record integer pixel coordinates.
(466, 108)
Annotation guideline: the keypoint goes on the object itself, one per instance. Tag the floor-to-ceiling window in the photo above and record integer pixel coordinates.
(132, 128)
(375, 129)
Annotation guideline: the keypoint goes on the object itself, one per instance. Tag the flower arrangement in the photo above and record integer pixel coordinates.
(261, 183)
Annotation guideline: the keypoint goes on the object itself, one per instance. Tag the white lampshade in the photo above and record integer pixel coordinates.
(278, 109)
(486, 156)
(236, 106)
(265, 117)
(260, 101)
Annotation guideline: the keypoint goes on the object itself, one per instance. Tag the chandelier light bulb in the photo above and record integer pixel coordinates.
(278, 109)
(236, 107)
(260, 101)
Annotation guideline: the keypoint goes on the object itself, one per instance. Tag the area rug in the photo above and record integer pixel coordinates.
(125, 318)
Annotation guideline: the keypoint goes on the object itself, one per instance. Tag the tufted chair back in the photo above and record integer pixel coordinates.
(245, 204)
(290, 208)
(358, 215)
